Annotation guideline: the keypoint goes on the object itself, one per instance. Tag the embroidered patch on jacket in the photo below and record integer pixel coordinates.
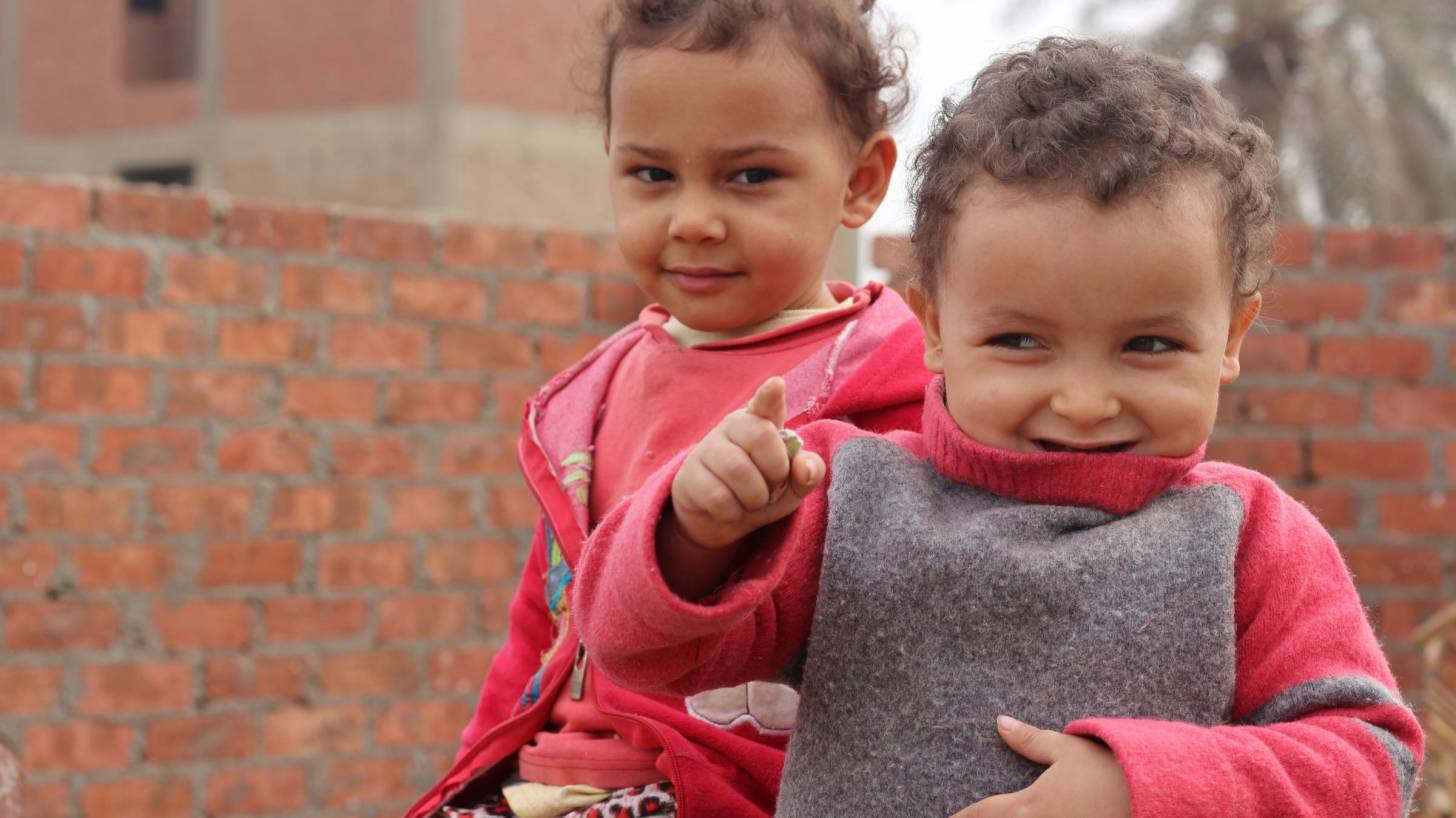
(576, 469)
(558, 580)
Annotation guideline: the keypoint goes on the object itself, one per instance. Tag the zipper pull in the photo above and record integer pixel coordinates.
(578, 673)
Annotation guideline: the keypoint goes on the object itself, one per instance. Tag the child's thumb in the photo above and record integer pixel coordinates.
(806, 472)
(768, 401)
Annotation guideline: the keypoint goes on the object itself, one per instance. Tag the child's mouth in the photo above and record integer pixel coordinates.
(1111, 448)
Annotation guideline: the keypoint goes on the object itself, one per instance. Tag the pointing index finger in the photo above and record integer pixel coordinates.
(769, 401)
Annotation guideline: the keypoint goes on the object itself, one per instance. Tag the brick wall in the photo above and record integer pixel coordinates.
(259, 518)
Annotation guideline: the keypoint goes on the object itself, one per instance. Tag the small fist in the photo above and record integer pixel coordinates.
(743, 475)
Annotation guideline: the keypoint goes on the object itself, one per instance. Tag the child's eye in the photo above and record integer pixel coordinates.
(651, 175)
(1014, 340)
(1152, 345)
(754, 176)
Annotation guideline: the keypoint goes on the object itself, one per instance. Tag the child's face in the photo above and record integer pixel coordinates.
(1064, 325)
(730, 176)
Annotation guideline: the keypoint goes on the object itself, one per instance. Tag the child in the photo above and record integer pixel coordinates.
(741, 134)
(1093, 226)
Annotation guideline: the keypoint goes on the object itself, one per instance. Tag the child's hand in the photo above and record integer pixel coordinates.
(1084, 778)
(740, 477)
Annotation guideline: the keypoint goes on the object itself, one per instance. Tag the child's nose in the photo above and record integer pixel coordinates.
(695, 219)
(1085, 402)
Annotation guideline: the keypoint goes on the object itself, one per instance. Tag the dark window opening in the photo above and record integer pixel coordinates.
(176, 174)
(160, 41)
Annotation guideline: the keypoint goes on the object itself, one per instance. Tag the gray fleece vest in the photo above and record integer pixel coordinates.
(942, 605)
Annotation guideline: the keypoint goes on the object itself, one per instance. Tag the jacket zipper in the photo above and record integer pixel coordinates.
(578, 672)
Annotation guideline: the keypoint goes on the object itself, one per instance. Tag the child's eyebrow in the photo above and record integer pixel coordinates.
(748, 150)
(1172, 321)
(651, 153)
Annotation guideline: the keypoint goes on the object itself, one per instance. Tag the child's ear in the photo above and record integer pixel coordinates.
(924, 308)
(869, 179)
(1245, 311)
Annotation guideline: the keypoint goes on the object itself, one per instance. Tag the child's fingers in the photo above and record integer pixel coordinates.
(697, 492)
(806, 473)
(769, 401)
(760, 440)
(736, 470)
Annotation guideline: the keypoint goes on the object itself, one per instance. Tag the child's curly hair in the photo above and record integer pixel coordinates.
(1106, 120)
(864, 73)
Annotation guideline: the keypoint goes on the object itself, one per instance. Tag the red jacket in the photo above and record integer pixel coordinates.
(872, 374)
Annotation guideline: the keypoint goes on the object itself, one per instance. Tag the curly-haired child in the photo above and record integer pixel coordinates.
(1043, 603)
(741, 135)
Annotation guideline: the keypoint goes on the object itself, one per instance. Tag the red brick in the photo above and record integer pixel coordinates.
(36, 326)
(319, 508)
(304, 619)
(558, 354)
(198, 738)
(270, 790)
(1398, 618)
(211, 509)
(105, 271)
(279, 229)
(616, 302)
(69, 389)
(135, 687)
(434, 402)
(266, 341)
(483, 350)
(1429, 513)
(103, 567)
(31, 689)
(1303, 407)
(458, 669)
(215, 393)
(369, 673)
(46, 799)
(256, 677)
(1309, 301)
(152, 333)
(425, 723)
(60, 625)
(44, 206)
(26, 566)
(385, 240)
(377, 345)
(164, 796)
(330, 399)
(177, 215)
(1294, 245)
(262, 562)
(374, 455)
(78, 509)
(1284, 353)
(365, 565)
(533, 301)
(1419, 408)
(147, 450)
(495, 608)
(575, 253)
(1370, 460)
(1276, 457)
(1421, 302)
(1335, 508)
(510, 399)
(12, 264)
(203, 623)
(366, 782)
(1378, 565)
(489, 248)
(318, 730)
(266, 451)
(428, 508)
(1379, 249)
(442, 298)
(512, 506)
(76, 746)
(39, 447)
(478, 454)
(328, 289)
(424, 616)
(1374, 357)
(1451, 461)
(470, 563)
(214, 280)
(12, 386)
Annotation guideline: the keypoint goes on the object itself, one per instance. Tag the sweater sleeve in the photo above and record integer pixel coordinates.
(1318, 728)
(644, 636)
